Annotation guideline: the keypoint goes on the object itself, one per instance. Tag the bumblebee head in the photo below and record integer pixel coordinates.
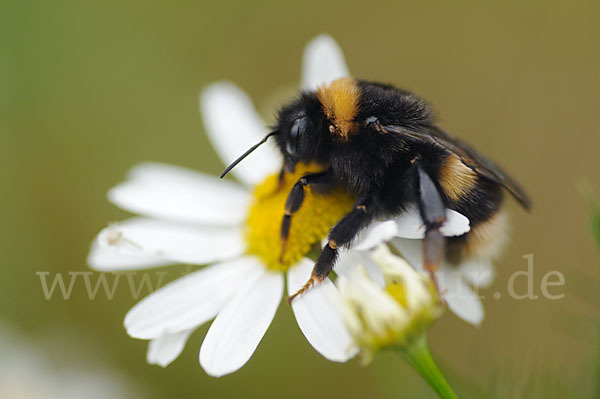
(304, 132)
(297, 133)
(311, 124)
(307, 128)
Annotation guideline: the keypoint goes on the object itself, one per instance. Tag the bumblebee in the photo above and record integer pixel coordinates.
(381, 144)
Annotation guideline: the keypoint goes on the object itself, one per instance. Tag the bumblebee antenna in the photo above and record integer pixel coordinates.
(244, 155)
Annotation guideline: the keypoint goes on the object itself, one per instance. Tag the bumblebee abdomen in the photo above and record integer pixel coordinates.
(480, 200)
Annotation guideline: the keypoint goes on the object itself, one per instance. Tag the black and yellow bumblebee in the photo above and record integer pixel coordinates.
(381, 144)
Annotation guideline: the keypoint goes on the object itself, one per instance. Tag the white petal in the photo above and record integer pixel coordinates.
(318, 315)
(239, 327)
(233, 126)
(323, 62)
(410, 224)
(376, 234)
(350, 260)
(191, 300)
(166, 348)
(456, 224)
(461, 299)
(411, 250)
(172, 241)
(479, 273)
(173, 193)
(108, 258)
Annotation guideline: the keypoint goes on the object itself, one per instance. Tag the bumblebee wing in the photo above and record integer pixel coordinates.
(469, 156)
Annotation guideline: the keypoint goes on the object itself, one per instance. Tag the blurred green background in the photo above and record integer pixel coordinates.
(89, 89)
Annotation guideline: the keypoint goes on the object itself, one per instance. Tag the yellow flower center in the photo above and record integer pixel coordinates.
(310, 224)
(396, 290)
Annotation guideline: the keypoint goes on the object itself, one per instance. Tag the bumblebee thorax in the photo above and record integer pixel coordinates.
(339, 101)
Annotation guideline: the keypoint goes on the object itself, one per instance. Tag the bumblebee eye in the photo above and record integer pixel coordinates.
(296, 130)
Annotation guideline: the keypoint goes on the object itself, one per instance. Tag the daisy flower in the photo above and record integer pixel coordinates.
(189, 217)
(459, 284)
(387, 313)
(393, 314)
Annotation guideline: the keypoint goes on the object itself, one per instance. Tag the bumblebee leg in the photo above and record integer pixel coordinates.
(280, 179)
(433, 213)
(321, 181)
(340, 235)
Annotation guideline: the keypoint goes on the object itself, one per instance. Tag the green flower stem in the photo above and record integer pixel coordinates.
(417, 354)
